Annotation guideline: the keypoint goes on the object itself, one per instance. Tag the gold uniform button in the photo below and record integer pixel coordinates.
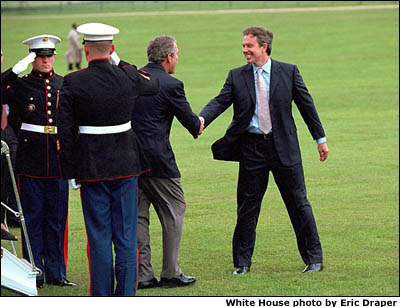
(49, 87)
(31, 107)
(50, 120)
(31, 98)
(49, 95)
(49, 112)
(49, 104)
(47, 81)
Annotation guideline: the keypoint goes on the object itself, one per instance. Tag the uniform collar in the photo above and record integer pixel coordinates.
(41, 75)
(99, 61)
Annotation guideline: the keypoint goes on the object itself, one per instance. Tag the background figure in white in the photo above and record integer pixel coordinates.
(74, 51)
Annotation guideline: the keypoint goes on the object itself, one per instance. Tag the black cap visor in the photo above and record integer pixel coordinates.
(44, 51)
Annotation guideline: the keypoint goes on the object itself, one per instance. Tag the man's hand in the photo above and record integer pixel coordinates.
(72, 183)
(323, 151)
(114, 58)
(201, 125)
(22, 65)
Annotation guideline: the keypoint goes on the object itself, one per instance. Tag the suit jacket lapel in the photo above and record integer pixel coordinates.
(275, 75)
(248, 76)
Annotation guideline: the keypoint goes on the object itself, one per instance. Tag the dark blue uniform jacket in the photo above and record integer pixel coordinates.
(33, 99)
(101, 95)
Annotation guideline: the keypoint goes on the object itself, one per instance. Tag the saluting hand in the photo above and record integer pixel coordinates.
(114, 58)
(22, 65)
(72, 183)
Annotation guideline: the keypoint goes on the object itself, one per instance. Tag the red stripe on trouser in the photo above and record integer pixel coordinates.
(66, 243)
(22, 233)
(137, 265)
(88, 249)
(137, 246)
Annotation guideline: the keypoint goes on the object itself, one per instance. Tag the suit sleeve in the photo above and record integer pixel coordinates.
(220, 103)
(305, 104)
(182, 109)
(67, 131)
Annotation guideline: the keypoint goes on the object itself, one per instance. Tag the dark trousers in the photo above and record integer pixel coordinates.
(111, 212)
(259, 157)
(45, 206)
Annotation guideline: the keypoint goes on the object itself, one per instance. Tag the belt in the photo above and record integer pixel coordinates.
(105, 129)
(40, 129)
(259, 136)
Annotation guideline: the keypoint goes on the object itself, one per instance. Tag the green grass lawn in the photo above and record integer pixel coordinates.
(349, 61)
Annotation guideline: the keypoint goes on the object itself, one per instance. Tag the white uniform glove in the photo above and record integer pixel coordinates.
(22, 65)
(72, 183)
(114, 58)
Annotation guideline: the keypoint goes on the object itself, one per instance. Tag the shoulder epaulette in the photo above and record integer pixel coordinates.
(144, 74)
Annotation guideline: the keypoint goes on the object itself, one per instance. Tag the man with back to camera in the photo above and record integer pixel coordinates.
(100, 155)
(263, 138)
(33, 101)
(153, 117)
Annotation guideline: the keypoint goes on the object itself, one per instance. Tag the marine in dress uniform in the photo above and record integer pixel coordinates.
(100, 154)
(33, 101)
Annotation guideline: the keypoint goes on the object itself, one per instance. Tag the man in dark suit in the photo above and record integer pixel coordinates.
(100, 153)
(263, 138)
(152, 119)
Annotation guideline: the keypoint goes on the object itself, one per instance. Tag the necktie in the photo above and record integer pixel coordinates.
(3, 118)
(264, 117)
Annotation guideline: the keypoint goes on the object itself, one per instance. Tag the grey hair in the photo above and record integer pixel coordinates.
(159, 48)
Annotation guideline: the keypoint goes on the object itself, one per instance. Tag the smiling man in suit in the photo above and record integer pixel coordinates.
(152, 118)
(263, 138)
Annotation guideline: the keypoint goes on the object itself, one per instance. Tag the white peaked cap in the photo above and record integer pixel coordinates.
(93, 32)
(45, 41)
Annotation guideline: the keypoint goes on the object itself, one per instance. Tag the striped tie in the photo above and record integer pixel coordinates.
(264, 117)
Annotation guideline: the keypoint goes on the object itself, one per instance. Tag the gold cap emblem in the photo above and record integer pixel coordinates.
(45, 39)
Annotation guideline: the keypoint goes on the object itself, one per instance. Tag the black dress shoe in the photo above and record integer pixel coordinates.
(241, 270)
(314, 267)
(62, 282)
(180, 281)
(39, 284)
(5, 235)
(152, 283)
